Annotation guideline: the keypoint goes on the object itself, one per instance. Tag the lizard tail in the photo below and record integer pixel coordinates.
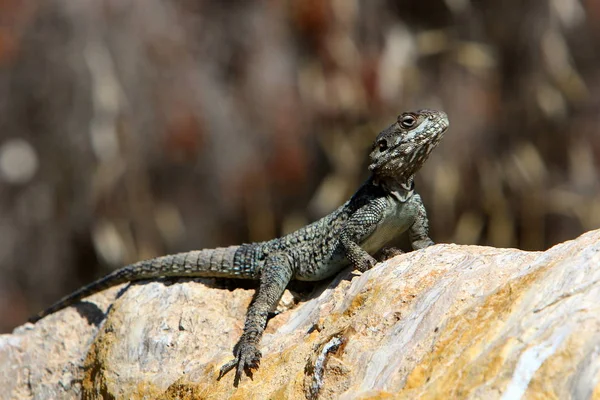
(217, 262)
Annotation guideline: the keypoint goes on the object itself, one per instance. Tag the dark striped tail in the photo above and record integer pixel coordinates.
(219, 262)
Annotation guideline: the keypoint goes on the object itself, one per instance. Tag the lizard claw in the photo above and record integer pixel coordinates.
(246, 359)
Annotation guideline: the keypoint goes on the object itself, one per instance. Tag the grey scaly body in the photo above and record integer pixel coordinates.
(383, 208)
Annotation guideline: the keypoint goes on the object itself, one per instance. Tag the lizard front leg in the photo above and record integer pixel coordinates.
(274, 277)
(356, 230)
(418, 233)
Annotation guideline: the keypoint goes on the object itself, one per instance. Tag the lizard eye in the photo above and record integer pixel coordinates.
(382, 145)
(407, 121)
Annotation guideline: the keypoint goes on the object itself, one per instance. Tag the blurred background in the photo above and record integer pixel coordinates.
(134, 128)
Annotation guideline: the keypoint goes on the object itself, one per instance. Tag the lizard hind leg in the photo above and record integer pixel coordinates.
(274, 277)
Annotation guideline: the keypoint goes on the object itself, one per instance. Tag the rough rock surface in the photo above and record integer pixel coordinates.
(446, 322)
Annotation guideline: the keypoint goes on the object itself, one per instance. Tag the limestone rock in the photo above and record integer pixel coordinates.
(445, 322)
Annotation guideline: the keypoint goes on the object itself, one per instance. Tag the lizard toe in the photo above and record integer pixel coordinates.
(247, 360)
(228, 367)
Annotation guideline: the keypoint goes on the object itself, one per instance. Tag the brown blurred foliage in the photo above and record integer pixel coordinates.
(135, 128)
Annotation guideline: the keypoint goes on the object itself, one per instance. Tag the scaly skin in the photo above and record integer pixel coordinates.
(383, 208)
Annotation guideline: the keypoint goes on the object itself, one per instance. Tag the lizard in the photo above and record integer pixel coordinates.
(384, 207)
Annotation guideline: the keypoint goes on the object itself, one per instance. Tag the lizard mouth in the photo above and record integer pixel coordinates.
(374, 166)
(404, 154)
(392, 160)
(381, 164)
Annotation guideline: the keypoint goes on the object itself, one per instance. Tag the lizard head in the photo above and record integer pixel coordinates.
(401, 149)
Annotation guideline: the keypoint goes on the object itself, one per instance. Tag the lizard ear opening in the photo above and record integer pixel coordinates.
(382, 145)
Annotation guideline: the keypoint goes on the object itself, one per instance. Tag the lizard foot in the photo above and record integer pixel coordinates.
(247, 358)
(421, 244)
(366, 264)
(388, 252)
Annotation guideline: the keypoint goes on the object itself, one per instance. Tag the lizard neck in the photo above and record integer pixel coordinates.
(400, 189)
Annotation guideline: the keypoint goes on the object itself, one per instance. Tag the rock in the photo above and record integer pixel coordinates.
(445, 322)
